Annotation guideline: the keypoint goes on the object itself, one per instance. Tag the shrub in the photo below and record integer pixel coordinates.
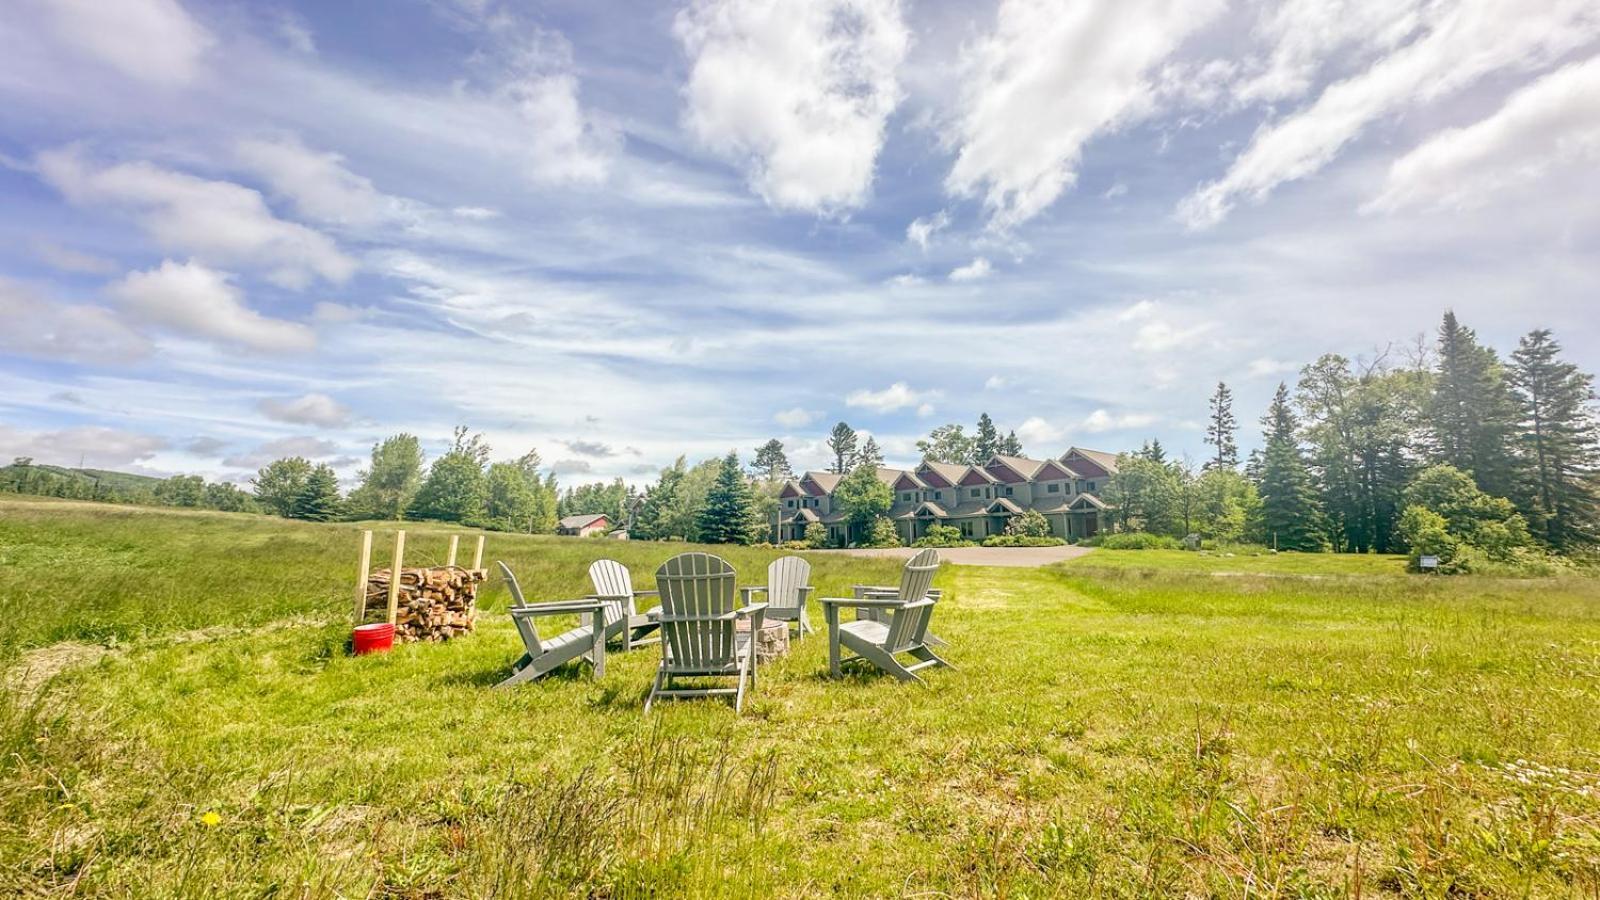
(1134, 540)
(883, 534)
(816, 536)
(942, 536)
(1031, 524)
(1021, 540)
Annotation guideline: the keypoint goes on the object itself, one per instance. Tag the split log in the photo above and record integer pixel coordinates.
(434, 604)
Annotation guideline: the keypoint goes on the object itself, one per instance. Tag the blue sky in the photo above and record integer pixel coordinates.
(621, 232)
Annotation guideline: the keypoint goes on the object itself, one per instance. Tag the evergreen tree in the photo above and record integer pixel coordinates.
(280, 483)
(1153, 451)
(1472, 411)
(389, 484)
(1221, 431)
(1557, 442)
(1011, 445)
(1290, 515)
(986, 441)
(869, 456)
(1145, 495)
(455, 488)
(1252, 466)
(319, 499)
(842, 441)
(771, 462)
(728, 515)
(659, 499)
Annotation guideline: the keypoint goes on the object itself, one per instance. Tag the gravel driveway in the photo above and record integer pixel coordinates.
(1018, 557)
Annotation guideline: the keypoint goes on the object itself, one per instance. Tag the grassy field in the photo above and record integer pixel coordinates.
(1127, 724)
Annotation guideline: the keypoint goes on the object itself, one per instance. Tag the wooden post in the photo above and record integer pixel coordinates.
(361, 577)
(477, 556)
(394, 576)
(455, 541)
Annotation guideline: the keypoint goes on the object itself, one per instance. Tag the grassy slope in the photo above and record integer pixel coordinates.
(1264, 564)
(1126, 732)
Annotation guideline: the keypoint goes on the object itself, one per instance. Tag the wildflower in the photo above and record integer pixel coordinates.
(211, 819)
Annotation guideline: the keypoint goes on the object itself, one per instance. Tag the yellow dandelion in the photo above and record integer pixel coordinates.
(211, 820)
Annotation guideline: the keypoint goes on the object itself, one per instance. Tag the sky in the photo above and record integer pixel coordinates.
(621, 232)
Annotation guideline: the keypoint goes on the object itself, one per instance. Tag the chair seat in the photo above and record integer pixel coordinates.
(584, 634)
(866, 630)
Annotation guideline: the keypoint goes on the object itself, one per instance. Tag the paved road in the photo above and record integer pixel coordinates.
(1018, 557)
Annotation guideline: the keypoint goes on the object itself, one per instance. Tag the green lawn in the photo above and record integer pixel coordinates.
(1128, 724)
(1222, 562)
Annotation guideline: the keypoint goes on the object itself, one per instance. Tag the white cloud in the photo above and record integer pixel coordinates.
(1260, 368)
(318, 184)
(189, 298)
(96, 446)
(475, 213)
(154, 41)
(1051, 77)
(1466, 42)
(1303, 35)
(302, 445)
(1548, 125)
(564, 144)
(216, 221)
(46, 329)
(309, 409)
(1035, 431)
(907, 280)
(796, 417)
(995, 382)
(572, 467)
(972, 271)
(1162, 329)
(1101, 421)
(798, 92)
(921, 230)
(895, 396)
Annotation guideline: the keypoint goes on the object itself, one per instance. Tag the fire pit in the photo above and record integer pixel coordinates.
(772, 641)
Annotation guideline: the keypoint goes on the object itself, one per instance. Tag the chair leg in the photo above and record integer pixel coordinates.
(738, 698)
(926, 655)
(527, 673)
(654, 689)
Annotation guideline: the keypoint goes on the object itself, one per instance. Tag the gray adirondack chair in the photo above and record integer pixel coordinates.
(612, 581)
(542, 656)
(889, 592)
(787, 589)
(699, 629)
(905, 631)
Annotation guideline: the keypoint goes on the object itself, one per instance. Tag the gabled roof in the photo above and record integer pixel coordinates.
(804, 515)
(1055, 470)
(1106, 461)
(791, 488)
(933, 508)
(825, 482)
(967, 479)
(583, 521)
(1087, 500)
(908, 481)
(1004, 505)
(949, 473)
(1022, 465)
(890, 476)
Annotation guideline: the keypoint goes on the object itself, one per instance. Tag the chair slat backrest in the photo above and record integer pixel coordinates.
(785, 578)
(908, 626)
(917, 577)
(525, 625)
(613, 584)
(697, 588)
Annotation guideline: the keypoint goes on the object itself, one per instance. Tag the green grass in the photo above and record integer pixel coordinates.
(1214, 561)
(1117, 727)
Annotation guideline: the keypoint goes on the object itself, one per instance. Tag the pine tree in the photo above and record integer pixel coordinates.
(869, 457)
(771, 462)
(986, 441)
(1558, 443)
(1011, 445)
(842, 441)
(1221, 430)
(1153, 451)
(1290, 514)
(1472, 411)
(727, 517)
(319, 499)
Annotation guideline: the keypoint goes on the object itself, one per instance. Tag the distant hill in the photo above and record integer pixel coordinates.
(116, 481)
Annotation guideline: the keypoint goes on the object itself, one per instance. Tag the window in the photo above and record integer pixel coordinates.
(1008, 492)
(977, 492)
(905, 496)
(791, 504)
(1053, 488)
(938, 495)
(966, 529)
(1090, 487)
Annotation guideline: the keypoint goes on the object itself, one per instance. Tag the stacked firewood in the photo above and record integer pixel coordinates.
(435, 604)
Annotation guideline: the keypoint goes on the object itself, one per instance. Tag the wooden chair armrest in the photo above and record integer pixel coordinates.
(866, 602)
(806, 589)
(752, 589)
(651, 593)
(555, 607)
(747, 611)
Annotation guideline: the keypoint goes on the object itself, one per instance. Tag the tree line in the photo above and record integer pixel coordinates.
(1451, 452)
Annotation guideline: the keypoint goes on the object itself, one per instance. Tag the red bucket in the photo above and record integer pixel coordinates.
(375, 638)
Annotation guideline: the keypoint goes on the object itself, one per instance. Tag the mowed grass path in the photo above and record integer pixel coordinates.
(1111, 731)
